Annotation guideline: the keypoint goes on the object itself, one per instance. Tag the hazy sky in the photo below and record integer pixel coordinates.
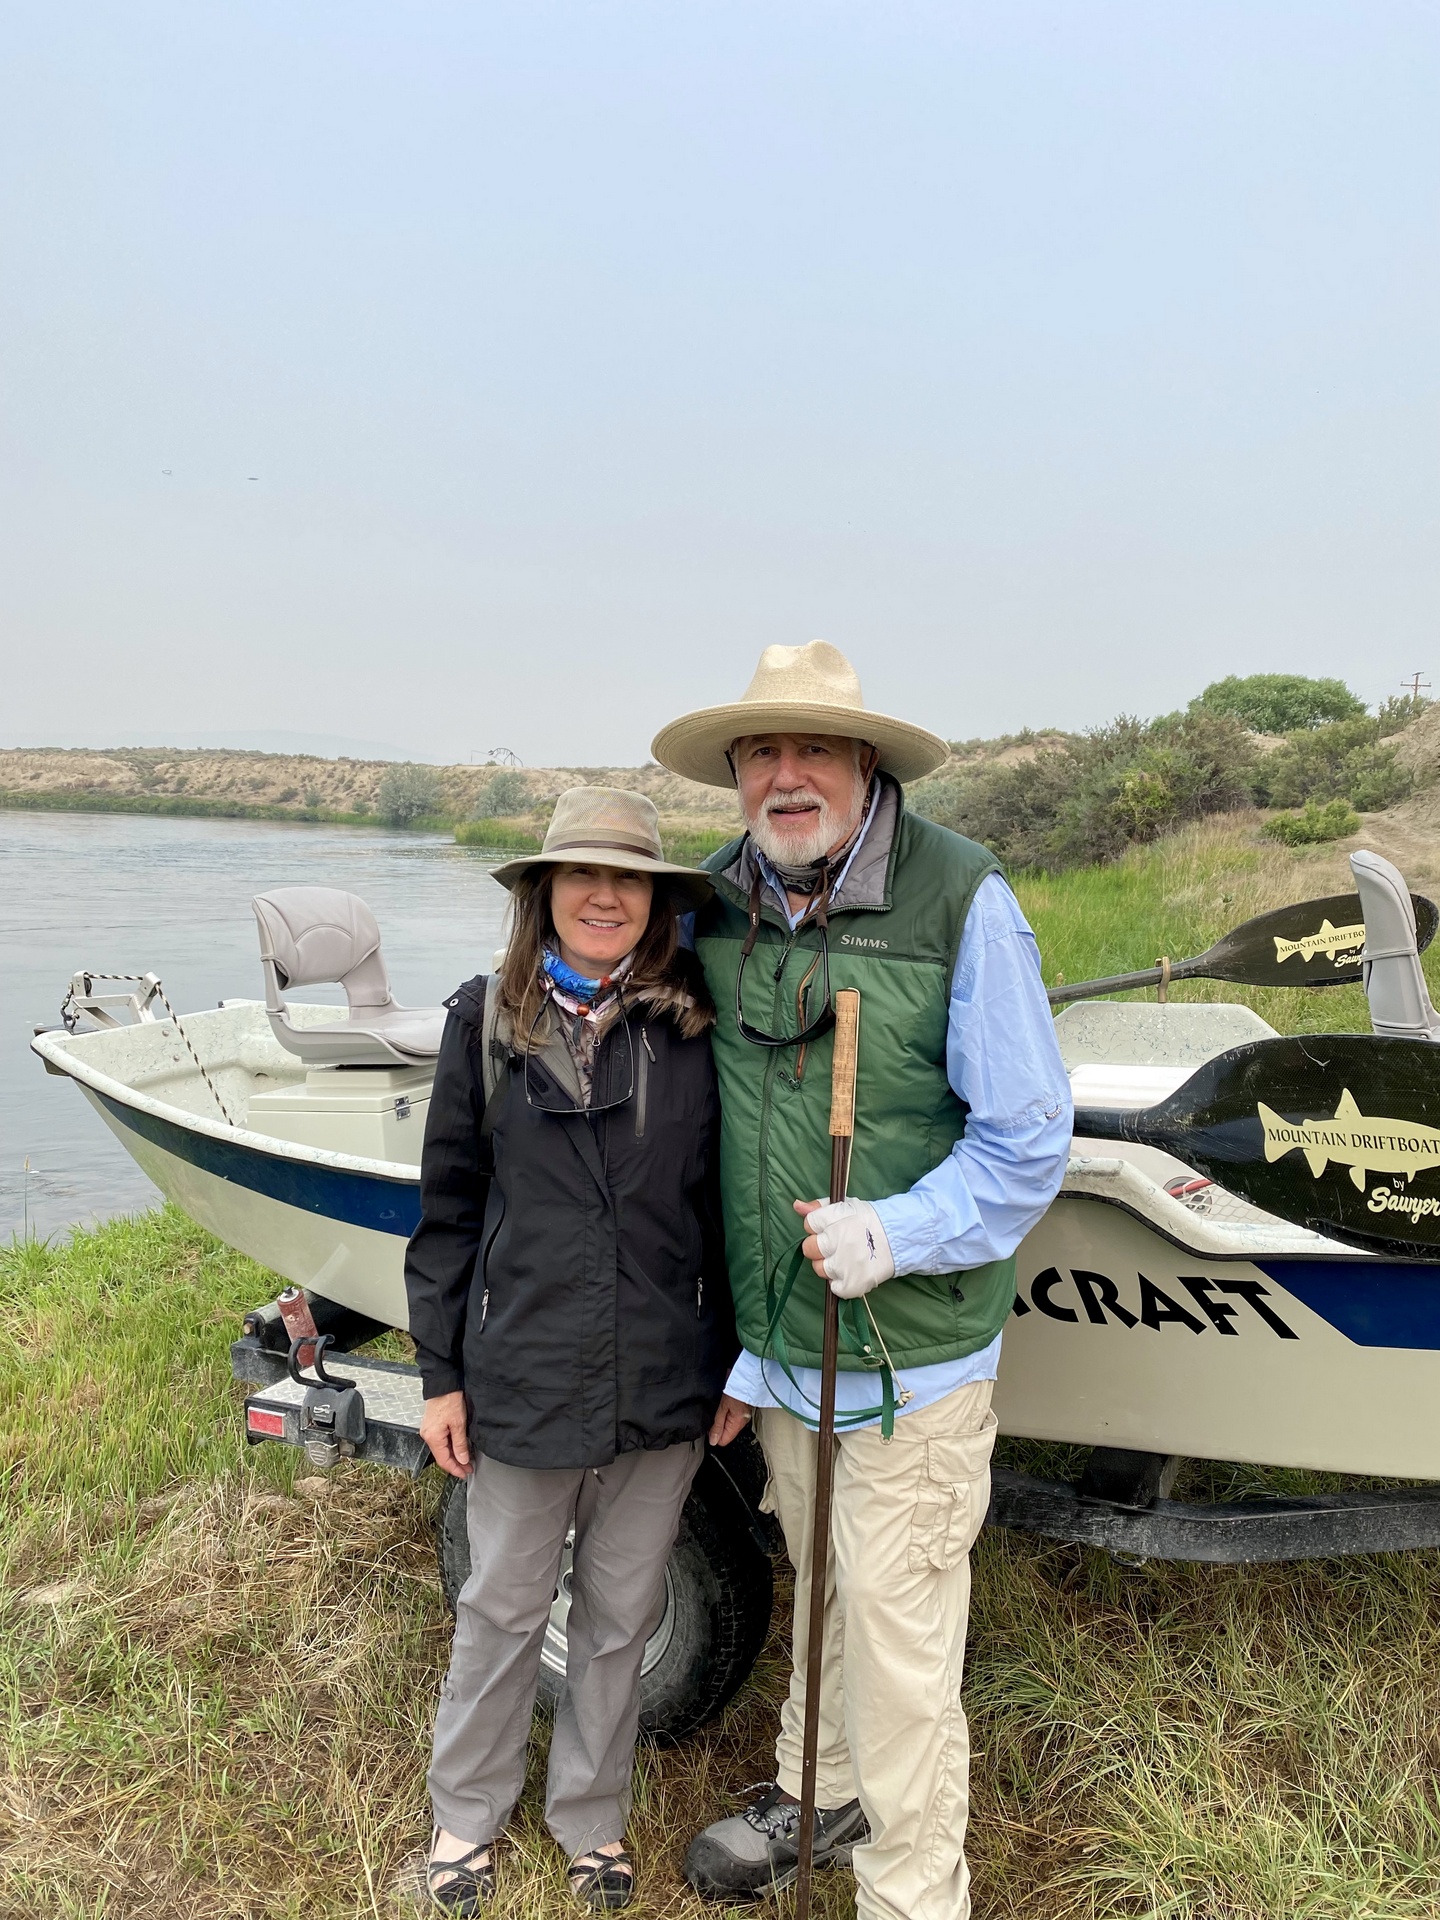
(1050, 359)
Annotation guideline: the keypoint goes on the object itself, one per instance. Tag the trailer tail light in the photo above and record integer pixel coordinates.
(262, 1420)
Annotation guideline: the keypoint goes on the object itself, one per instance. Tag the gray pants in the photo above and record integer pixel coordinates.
(626, 1517)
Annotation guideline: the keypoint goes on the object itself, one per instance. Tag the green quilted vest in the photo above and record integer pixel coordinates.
(775, 1141)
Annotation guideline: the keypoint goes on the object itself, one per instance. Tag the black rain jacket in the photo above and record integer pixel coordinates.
(578, 1292)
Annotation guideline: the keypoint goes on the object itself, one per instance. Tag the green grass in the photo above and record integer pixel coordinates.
(1179, 895)
(687, 847)
(217, 1671)
(503, 836)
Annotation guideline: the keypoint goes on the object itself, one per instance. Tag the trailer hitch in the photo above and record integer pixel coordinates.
(332, 1414)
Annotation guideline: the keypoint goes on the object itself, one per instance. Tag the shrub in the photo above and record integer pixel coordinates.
(1347, 760)
(1397, 712)
(1331, 822)
(406, 793)
(1098, 793)
(504, 794)
(1279, 702)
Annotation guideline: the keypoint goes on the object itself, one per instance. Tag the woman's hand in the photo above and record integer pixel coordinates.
(442, 1428)
(730, 1417)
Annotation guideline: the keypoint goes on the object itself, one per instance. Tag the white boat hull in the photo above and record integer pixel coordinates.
(1328, 1360)
(356, 1266)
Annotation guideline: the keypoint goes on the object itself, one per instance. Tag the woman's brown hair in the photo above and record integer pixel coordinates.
(655, 970)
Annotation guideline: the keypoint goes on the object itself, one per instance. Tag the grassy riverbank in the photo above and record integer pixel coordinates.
(187, 807)
(217, 1669)
(687, 846)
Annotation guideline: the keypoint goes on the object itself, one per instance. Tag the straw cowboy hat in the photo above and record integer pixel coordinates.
(811, 689)
(606, 827)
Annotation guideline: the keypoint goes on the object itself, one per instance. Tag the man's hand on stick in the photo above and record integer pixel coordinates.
(846, 1245)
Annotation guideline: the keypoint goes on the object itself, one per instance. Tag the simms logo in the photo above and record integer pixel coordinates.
(1331, 941)
(1363, 1143)
(861, 940)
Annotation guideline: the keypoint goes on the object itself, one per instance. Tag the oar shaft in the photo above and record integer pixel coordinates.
(1124, 982)
(1104, 1123)
(842, 1129)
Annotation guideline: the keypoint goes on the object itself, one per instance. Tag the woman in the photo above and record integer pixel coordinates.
(572, 1323)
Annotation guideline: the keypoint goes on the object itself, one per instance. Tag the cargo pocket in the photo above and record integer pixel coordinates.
(951, 1499)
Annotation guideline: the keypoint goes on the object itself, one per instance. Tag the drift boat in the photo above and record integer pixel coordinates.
(1159, 1312)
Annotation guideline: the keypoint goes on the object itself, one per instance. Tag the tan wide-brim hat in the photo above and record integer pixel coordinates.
(812, 689)
(607, 827)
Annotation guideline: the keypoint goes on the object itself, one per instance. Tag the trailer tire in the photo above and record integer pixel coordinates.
(718, 1597)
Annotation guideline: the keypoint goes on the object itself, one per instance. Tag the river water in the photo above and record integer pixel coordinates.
(132, 894)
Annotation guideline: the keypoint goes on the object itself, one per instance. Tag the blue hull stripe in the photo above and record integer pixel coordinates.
(359, 1199)
(1375, 1303)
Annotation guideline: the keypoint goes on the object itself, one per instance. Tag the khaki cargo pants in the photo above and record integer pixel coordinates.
(892, 1729)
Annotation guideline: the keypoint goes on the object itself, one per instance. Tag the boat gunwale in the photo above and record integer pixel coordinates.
(54, 1048)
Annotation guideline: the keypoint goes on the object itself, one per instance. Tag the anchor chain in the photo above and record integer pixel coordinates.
(71, 1009)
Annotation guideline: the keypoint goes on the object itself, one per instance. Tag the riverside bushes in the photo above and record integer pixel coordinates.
(408, 792)
(1094, 794)
(1353, 759)
(1054, 801)
(1314, 824)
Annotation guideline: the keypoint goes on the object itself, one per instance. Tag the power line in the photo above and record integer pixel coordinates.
(1414, 685)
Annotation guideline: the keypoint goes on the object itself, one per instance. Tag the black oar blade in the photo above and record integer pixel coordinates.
(1314, 944)
(1338, 1132)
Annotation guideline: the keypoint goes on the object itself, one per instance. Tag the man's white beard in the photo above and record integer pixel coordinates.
(788, 848)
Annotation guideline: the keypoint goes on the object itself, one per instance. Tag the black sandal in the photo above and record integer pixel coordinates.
(465, 1886)
(600, 1880)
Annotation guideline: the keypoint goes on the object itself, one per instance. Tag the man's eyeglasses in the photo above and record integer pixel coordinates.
(825, 1019)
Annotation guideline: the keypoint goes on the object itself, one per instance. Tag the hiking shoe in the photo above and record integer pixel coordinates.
(756, 1852)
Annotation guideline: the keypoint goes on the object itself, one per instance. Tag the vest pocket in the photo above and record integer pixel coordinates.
(952, 1497)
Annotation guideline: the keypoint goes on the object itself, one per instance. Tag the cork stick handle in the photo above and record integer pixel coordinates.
(842, 1071)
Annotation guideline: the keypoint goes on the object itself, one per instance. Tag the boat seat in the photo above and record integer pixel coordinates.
(322, 936)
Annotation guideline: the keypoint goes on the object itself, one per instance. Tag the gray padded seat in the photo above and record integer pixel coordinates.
(313, 936)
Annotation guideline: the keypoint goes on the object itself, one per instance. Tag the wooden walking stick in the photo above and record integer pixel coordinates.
(842, 1130)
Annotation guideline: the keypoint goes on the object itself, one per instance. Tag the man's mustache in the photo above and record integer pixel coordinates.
(795, 798)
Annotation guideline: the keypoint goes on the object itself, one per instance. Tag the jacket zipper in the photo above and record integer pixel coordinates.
(484, 1264)
(646, 1056)
(699, 1297)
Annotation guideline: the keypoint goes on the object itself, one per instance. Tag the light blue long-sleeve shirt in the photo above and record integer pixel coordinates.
(999, 1177)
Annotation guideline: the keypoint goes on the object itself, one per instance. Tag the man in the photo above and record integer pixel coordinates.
(961, 1136)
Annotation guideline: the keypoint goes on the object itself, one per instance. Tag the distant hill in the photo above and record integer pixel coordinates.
(306, 785)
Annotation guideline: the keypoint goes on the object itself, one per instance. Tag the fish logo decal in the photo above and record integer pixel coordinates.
(1362, 1142)
(1331, 941)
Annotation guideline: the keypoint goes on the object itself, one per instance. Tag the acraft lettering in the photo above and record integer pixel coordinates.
(1100, 1302)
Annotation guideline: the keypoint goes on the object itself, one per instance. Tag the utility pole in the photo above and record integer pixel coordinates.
(1414, 685)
